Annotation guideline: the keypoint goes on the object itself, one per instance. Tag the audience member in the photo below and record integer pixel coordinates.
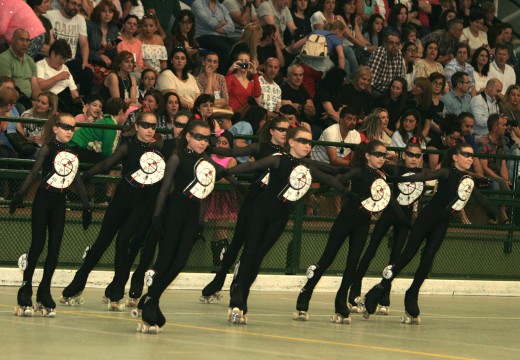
(485, 104)
(458, 99)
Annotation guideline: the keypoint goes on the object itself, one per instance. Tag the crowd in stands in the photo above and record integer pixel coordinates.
(437, 72)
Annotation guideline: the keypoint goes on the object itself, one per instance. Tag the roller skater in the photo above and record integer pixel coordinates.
(353, 221)
(142, 169)
(270, 211)
(59, 167)
(455, 186)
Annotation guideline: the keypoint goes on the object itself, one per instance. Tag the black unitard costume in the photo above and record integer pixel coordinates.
(258, 151)
(48, 214)
(131, 205)
(352, 221)
(431, 225)
(388, 218)
(269, 214)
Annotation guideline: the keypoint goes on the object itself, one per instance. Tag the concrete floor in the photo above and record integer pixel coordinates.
(453, 327)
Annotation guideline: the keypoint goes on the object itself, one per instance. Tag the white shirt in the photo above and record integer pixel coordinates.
(508, 77)
(474, 42)
(188, 90)
(44, 71)
(271, 95)
(333, 134)
(67, 29)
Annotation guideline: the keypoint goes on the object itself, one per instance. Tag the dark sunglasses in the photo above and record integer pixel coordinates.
(280, 129)
(147, 125)
(467, 154)
(303, 141)
(149, 16)
(413, 155)
(378, 154)
(66, 127)
(179, 125)
(200, 137)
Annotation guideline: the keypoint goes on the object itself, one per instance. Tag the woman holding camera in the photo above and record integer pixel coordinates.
(242, 82)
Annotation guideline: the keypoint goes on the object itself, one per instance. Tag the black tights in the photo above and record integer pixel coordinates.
(48, 214)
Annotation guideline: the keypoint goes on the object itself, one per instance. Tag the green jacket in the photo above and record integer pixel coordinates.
(102, 141)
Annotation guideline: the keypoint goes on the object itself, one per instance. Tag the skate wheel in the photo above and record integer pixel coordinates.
(366, 315)
(44, 312)
(219, 296)
(51, 314)
(105, 300)
(210, 299)
(139, 326)
(135, 313)
(29, 312)
(243, 320)
(153, 330)
(81, 301)
(357, 300)
(202, 299)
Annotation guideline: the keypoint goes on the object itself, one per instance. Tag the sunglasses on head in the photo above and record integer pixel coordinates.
(280, 129)
(147, 125)
(199, 137)
(378, 154)
(466, 154)
(413, 155)
(180, 125)
(303, 141)
(66, 127)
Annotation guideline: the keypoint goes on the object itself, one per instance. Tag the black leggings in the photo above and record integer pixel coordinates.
(431, 225)
(181, 225)
(353, 223)
(265, 225)
(48, 213)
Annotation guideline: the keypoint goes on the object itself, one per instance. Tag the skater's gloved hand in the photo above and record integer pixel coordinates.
(86, 218)
(16, 202)
(86, 177)
(157, 228)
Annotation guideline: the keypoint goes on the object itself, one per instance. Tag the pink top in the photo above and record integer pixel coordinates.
(238, 94)
(136, 48)
(221, 161)
(16, 14)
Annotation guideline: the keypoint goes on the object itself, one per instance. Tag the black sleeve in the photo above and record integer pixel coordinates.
(269, 162)
(354, 172)
(391, 170)
(109, 162)
(249, 150)
(330, 180)
(171, 167)
(82, 192)
(324, 167)
(426, 175)
(44, 152)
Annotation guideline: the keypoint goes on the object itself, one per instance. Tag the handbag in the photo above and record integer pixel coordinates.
(22, 146)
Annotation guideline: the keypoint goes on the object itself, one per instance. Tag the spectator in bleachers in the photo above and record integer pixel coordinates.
(409, 34)
(8, 98)
(386, 134)
(364, 10)
(429, 64)
(177, 79)
(54, 75)
(409, 127)
(71, 26)
(374, 35)
(357, 92)
(372, 127)
(352, 35)
(40, 8)
(449, 137)
(458, 99)
(510, 106)
(484, 105)
(473, 34)
(301, 13)
(481, 61)
(120, 83)
(490, 11)
(294, 93)
(132, 7)
(203, 109)
(467, 123)
(270, 45)
(165, 11)
(386, 64)
(421, 100)
(131, 43)
(171, 105)
(394, 100)
(459, 63)
(409, 52)
(242, 12)
(276, 12)
(92, 110)
(148, 81)
(464, 10)
(16, 64)
(213, 26)
(446, 16)
(398, 18)
(183, 35)
(289, 113)
(434, 14)
(271, 97)
(328, 100)
(324, 13)
(212, 83)
(438, 82)
(102, 31)
(447, 40)
(249, 42)
(154, 52)
(507, 38)
(501, 70)
(152, 103)
(342, 132)
(242, 82)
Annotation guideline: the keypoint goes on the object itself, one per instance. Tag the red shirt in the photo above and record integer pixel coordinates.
(238, 95)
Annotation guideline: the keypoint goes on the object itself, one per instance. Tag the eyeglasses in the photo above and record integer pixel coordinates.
(413, 155)
(148, 78)
(467, 154)
(303, 141)
(147, 125)
(200, 137)
(179, 125)
(66, 127)
(280, 129)
(378, 154)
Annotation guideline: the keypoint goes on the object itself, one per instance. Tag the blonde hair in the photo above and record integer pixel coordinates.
(251, 36)
(335, 25)
(361, 71)
(53, 104)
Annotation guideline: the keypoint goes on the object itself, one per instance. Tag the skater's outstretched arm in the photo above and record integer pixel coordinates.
(483, 201)
(221, 173)
(171, 167)
(269, 162)
(426, 175)
(326, 168)
(108, 163)
(330, 180)
(390, 170)
(353, 173)
(249, 150)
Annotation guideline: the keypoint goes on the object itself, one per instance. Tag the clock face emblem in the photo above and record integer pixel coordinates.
(204, 181)
(300, 180)
(152, 169)
(409, 192)
(65, 168)
(380, 196)
(464, 191)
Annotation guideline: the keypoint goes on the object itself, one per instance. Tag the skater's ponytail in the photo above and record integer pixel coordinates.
(182, 143)
(265, 136)
(359, 159)
(54, 120)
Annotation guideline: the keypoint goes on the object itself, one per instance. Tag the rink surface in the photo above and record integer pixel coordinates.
(452, 327)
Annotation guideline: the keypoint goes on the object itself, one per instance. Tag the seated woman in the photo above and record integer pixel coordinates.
(409, 128)
(102, 32)
(211, 83)
(171, 105)
(242, 82)
(357, 92)
(130, 43)
(203, 109)
(148, 81)
(177, 79)
(183, 35)
(120, 84)
(428, 64)
(154, 51)
(248, 42)
(394, 100)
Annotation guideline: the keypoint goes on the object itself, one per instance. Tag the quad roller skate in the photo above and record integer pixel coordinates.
(302, 305)
(119, 305)
(25, 306)
(372, 299)
(342, 315)
(108, 292)
(149, 316)
(71, 295)
(136, 313)
(236, 316)
(46, 304)
(212, 291)
(383, 308)
(136, 290)
(355, 303)
(73, 300)
(411, 307)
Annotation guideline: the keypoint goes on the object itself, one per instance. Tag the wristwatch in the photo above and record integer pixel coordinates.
(365, 48)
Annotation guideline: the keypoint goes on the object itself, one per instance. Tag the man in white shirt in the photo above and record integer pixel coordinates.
(271, 98)
(342, 132)
(483, 105)
(501, 70)
(67, 24)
